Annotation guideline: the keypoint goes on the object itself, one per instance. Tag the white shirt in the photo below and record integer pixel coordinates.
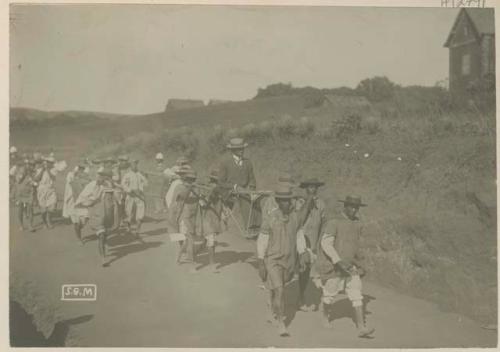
(238, 160)
(90, 194)
(134, 181)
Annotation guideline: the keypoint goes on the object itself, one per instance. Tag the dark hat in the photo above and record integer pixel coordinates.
(353, 200)
(236, 143)
(123, 158)
(283, 191)
(311, 182)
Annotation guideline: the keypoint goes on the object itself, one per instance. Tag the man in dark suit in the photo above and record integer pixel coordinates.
(236, 170)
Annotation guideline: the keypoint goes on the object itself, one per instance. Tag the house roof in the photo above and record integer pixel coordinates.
(483, 21)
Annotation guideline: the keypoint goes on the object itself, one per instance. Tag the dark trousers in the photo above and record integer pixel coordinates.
(249, 222)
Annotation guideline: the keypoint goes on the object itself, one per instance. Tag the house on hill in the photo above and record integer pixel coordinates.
(182, 104)
(345, 101)
(471, 45)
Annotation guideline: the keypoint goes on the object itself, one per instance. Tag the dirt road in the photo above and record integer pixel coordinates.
(145, 300)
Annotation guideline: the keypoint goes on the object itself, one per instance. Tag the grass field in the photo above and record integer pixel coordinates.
(428, 177)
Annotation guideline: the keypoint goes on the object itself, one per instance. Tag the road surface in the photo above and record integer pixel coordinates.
(145, 300)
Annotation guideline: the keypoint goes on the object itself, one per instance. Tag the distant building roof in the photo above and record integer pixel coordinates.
(179, 104)
(218, 101)
(483, 21)
(346, 100)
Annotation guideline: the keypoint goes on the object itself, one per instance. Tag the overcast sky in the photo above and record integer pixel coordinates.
(133, 58)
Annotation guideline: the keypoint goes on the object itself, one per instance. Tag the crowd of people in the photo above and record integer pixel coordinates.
(296, 239)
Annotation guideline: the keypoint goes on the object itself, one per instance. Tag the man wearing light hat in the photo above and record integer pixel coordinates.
(337, 266)
(133, 184)
(278, 243)
(46, 191)
(76, 180)
(182, 212)
(95, 205)
(238, 171)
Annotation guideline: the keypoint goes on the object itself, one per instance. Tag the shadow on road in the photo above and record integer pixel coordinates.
(23, 332)
(342, 308)
(122, 251)
(155, 232)
(225, 258)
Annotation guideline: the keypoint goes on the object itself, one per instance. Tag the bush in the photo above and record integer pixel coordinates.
(216, 139)
(371, 124)
(274, 90)
(376, 89)
(304, 127)
(284, 127)
(349, 125)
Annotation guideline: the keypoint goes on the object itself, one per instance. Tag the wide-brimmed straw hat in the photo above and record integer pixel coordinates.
(311, 182)
(353, 200)
(283, 191)
(236, 143)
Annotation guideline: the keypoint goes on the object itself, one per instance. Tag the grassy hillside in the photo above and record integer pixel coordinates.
(427, 175)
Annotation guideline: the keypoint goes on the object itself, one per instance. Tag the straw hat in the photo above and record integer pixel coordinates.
(236, 143)
(311, 182)
(283, 191)
(353, 200)
(159, 156)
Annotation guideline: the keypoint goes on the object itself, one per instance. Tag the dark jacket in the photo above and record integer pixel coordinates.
(231, 173)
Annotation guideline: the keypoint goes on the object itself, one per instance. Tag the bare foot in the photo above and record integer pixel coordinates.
(282, 329)
(365, 331)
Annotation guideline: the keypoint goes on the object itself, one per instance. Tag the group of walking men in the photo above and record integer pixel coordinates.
(295, 238)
